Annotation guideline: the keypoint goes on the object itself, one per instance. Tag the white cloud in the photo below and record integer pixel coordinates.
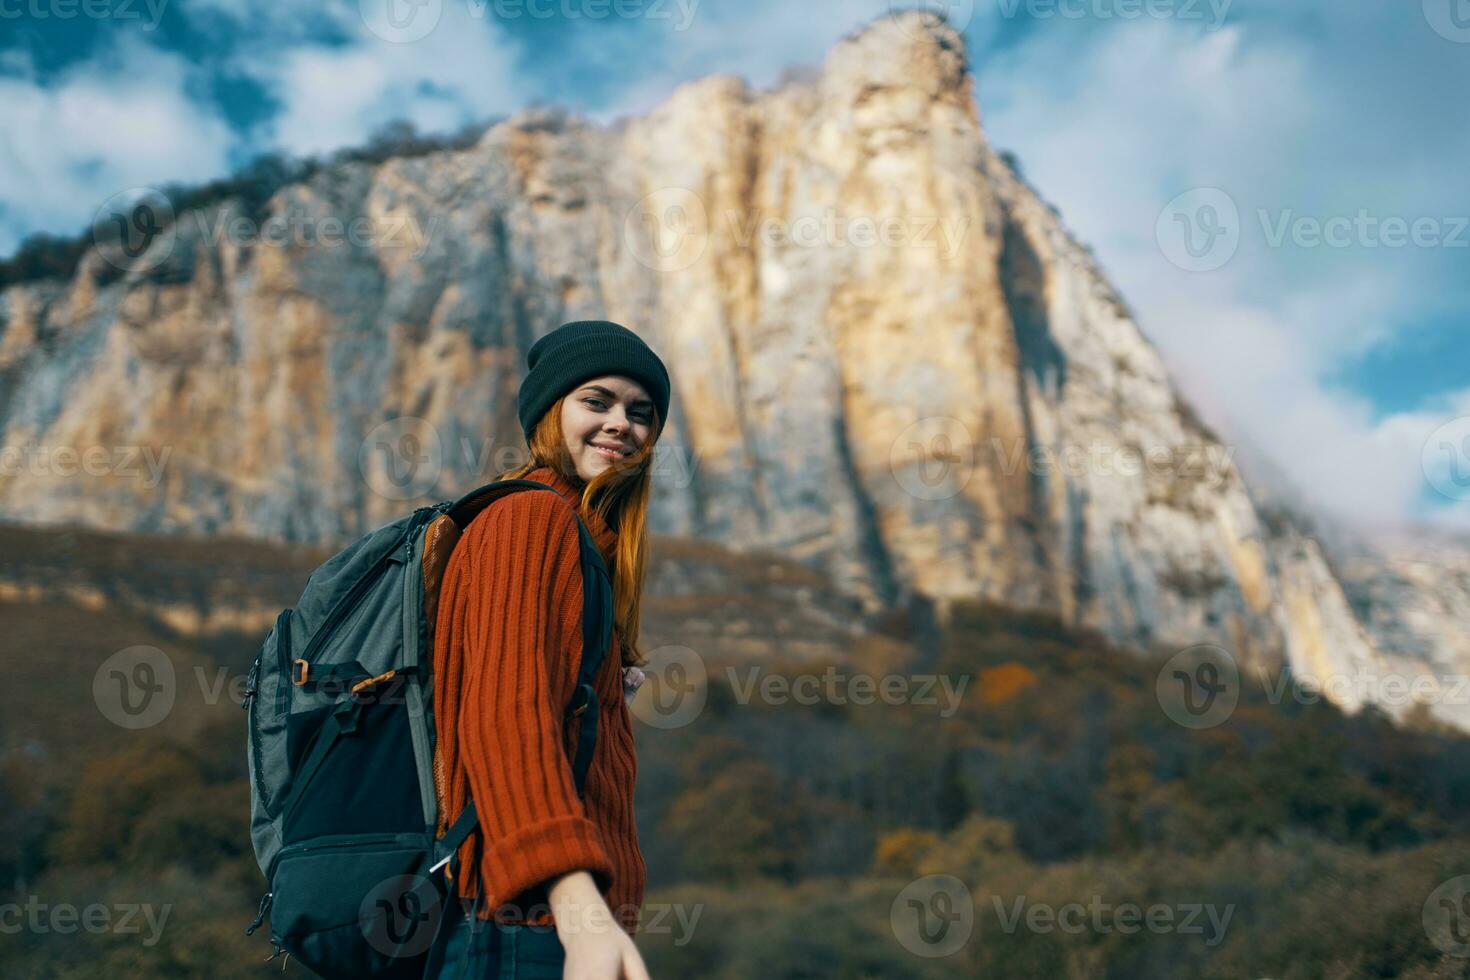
(122, 120)
(335, 96)
(1307, 110)
(1111, 124)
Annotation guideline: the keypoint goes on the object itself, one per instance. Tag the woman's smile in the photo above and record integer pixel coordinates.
(610, 453)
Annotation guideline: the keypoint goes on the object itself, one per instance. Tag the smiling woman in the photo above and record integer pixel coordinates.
(557, 870)
(606, 420)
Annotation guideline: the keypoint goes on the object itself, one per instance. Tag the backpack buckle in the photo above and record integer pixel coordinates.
(585, 692)
(371, 681)
(299, 670)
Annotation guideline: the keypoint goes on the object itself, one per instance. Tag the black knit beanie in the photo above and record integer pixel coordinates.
(583, 349)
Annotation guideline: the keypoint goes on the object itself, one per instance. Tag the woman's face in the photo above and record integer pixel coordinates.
(611, 411)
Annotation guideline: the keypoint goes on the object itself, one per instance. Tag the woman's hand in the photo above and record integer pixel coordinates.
(603, 954)
(597, 947)
(633, 678)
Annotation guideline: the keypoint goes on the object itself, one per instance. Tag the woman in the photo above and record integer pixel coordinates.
(551, 884)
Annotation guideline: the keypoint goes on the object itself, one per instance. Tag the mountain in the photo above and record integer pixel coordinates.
(891, 363)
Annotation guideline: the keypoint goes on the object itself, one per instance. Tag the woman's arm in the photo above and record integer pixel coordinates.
(516, 585)
(597, 947)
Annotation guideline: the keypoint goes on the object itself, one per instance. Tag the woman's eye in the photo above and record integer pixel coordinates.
(643, 418)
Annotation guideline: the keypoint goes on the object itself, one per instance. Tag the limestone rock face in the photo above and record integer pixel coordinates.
(890, 361)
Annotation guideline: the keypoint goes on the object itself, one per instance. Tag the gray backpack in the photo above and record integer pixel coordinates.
(343, 812)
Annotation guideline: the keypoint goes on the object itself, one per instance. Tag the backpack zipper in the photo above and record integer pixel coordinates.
(283, 634)
(283, 657)
(265, 904)
(251, 680)
(305, 846)
(339, 612)
(291, 850)
(349, 602)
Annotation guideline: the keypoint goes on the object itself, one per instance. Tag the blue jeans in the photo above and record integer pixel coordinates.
(479, 949)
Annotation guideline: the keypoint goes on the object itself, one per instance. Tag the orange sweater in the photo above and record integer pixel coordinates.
(507, 647)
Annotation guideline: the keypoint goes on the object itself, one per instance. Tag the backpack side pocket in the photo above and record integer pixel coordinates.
(269, 708)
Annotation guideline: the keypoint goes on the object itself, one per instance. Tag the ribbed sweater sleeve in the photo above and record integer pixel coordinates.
(517, 580)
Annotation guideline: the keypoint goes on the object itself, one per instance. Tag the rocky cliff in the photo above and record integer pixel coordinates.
(890, 362)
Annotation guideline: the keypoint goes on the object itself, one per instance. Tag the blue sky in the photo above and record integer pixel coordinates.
(1334, 347)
